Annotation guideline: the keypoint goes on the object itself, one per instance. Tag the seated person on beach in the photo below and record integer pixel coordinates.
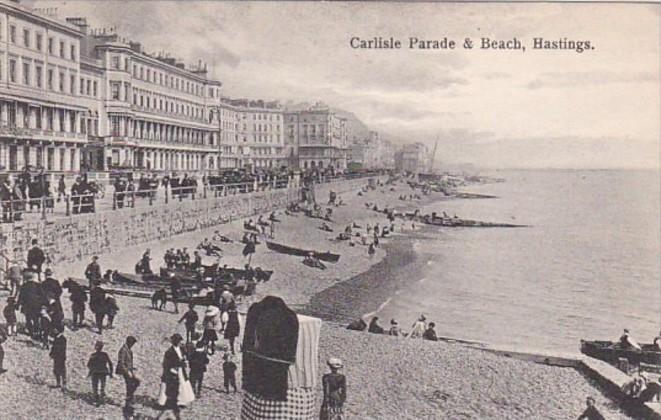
(357, 325)
(429, 333)
(395, 331)
(324, 226)
(374, 327)
(627, 342)
(273, 218)
(651, 392)
(591, 412)
(418, 328)
(312, 261)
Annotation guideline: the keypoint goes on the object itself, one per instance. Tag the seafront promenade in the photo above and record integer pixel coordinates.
(388, 377)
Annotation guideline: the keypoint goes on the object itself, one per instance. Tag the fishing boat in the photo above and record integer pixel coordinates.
(237, 273)
(456, 222)
(289, 250)
(611, 352)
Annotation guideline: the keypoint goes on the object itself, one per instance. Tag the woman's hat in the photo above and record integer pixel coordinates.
(212, 311)
(334, 362)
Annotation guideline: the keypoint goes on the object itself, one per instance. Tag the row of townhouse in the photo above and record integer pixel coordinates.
(74, 98)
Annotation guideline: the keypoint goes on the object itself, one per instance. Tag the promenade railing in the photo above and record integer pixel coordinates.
(20, 209)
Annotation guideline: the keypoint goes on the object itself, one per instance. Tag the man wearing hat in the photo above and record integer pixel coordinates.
(99, 366)
(93, 272)
(173, 362)
(58, 353)
(30, 301)
(127, 370)
(36, 259)
(51, 286)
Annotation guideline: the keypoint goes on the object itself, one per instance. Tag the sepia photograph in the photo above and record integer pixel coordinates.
(299, 210)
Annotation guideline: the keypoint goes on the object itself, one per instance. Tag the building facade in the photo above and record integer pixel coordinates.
(316, 138)
(158, 114)
(412, 158)
(251, 133)
(43, 122)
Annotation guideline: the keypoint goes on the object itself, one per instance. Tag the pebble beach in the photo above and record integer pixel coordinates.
(388, 377)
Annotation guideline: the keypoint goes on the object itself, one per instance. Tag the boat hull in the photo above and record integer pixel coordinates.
(284, 249)
(611, 352)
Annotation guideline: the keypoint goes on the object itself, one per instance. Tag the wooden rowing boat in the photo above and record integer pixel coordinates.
(455, 222)
(611, 352)
(289, 250)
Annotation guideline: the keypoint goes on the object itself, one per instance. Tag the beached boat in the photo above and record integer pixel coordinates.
(456, 222)
(289, 250)
(611, 352)
(238, 273)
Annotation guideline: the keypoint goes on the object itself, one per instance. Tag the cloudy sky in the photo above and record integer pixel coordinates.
(598, 109)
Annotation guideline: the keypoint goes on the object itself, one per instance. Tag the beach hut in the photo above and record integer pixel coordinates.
(280, 362)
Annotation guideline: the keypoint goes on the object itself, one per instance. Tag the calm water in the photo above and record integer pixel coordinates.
(588, 267)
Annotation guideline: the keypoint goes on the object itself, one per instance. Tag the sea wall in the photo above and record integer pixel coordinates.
(72, 238)
(68, 239)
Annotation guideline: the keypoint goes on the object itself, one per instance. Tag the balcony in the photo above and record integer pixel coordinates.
(39, 134)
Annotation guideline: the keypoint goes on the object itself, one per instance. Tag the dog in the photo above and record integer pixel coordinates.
(159, 299)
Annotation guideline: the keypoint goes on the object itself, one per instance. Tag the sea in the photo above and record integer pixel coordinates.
(587, 266)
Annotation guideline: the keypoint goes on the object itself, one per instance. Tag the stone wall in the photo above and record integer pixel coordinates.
(73, 238)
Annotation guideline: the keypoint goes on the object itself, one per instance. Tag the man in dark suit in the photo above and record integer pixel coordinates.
(59, 355)
(36, 259)
(93, 272)
(51, 286)
(30, 301)
(127, 370)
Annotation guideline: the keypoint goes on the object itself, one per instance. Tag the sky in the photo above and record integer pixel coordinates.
(505, 108)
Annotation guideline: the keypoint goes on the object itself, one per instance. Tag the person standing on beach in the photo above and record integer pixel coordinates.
(335, 391)
(3, 338)
(36, 259)
(99, 366)
(78, 297)
(127, 370)
(175, 287)
(198, 361)
(232, 328)
(93, 272)
(58, 353)
(229, 373)
(190, 319)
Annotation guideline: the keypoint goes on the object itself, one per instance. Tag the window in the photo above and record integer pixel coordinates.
(148, 75)
(12, 71)
(135, 99)
(95, 88)
(135, 71)
(39, 41)
(26, 74)
(114, 62)
(73, 52)
(51, 42)
(50, 79)
(142, 72)
(72, 84)
(38, 70)
(88, 88)
(82, 86)
(61, 81)
(126, 64)
(127, 89)
(12, 34)
(26, 38)
(114, 90)
(72, 159)
(62, 49)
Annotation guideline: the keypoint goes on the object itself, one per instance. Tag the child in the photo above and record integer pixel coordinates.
(210, 324)
(59, 355)
(111, 309)
(10, 316)
(99, 366)
(45, 323)
(198, 365)
(191, 319)
(229, 371)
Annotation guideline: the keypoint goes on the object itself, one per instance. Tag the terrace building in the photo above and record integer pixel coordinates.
(43, 121)
(316, 138)
(158, 114)
(251, 133)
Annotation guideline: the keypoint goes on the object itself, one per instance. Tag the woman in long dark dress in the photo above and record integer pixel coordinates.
(335, 391)
(232, 328)
(173, 360)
